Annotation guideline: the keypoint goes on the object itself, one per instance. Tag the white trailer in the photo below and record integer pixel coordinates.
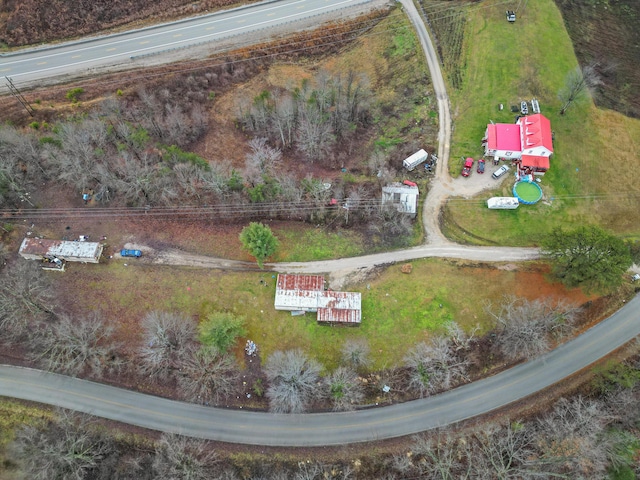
(503, 203)
(414, 160)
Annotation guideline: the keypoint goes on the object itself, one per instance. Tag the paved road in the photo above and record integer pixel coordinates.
(314, 429)
(82, 56)
(257, 428)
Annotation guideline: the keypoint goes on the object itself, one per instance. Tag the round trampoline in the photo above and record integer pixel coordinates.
(527, 193)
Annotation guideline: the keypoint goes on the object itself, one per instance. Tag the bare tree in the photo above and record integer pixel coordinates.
(318, 471)
(166, 339)
(570, 439)
(440, 456)
(67, 448)
(577, 83)
(72, 346)
(206, 376)
(390, 227)
(293, 381)
(355, 353)
(26, 297)
(313, 134)
(503, 452)
(526, 328)
(344, 389)
(459, 338)
(434, 366)
(262, 160)
(183, 458)
(21, 166)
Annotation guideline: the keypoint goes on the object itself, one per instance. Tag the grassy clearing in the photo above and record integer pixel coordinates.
(317, 244)
(398, 310)
(595, 150)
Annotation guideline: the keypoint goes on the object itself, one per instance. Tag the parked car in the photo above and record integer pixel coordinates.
(501, 171)
(524, 108)
(511, 16)
(468, 165)
(130, 253)
(480, 166)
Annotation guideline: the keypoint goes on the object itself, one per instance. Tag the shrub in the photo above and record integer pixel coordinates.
(220, 330)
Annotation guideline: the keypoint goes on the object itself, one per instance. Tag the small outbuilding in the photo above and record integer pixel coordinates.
(403, 196)
(44, 249)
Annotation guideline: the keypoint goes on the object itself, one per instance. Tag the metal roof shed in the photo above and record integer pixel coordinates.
(341, 308)
(39, 248)
(298, 292)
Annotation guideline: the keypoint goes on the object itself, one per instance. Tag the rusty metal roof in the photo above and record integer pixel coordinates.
(340, 307)
(306, 293)
(298, 292)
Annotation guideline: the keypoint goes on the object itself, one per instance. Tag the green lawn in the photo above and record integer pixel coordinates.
(398, 309)
(590, 180)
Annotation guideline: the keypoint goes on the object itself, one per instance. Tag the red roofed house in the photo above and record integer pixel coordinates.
(502, 140)
(529, 141)
(306, 293)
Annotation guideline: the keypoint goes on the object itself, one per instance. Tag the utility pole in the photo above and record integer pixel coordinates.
(16, 93)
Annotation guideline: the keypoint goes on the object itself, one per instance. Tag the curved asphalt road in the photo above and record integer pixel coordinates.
(309, 430)
(37, 64)
(294, 430)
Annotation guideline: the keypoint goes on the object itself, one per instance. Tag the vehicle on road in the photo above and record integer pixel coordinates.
(500, 172)
(130, 253)
(480, 168)
(468, 165)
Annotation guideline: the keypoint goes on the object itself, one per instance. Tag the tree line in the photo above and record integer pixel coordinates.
(582, 437)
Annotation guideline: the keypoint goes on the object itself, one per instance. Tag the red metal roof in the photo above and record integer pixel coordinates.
(507, 137)
(536, 132)
(535, 161)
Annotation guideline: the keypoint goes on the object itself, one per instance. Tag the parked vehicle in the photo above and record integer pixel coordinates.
(414, 160)
(524, 108)
(480, 166)
(500, 172)
(511, 16)
(130, 253)
(468, 165)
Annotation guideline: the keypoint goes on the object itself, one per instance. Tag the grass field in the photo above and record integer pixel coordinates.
(591, 179)
(398, 309)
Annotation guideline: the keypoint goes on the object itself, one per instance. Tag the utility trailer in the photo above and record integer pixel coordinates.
(414, 160)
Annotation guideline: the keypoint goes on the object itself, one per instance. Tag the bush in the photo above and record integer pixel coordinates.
(220, 330)
(74, 93)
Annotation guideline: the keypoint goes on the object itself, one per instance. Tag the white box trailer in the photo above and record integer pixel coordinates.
(414, 160)
(503, 203)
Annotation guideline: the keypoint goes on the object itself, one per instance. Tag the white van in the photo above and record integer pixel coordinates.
(501, 171)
